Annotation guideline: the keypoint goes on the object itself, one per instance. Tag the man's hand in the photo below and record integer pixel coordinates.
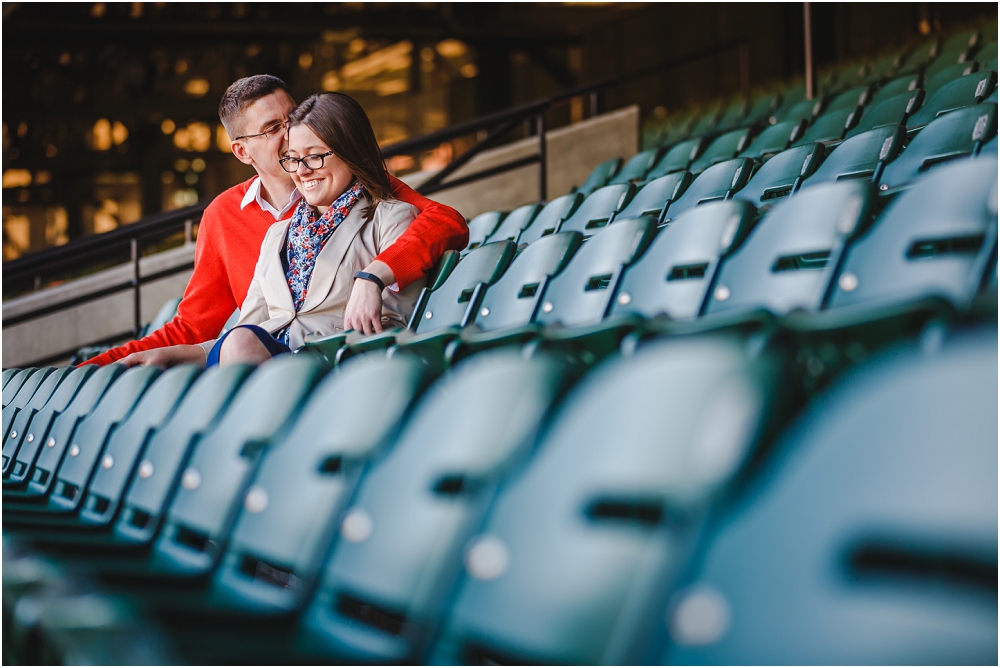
(166, 357)
(364, 308)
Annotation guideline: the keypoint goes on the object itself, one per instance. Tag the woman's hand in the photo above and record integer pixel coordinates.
(364, 308)
(166, 357)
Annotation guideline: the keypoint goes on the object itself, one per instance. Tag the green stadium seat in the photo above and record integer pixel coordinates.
(512, 301)
(23, 397)
(635, 169)
(8, 374)
(851, 99)
(917, 59)
(780, 176)
(863, 156)
(654, 197)
(11, 389)
(831, 127)
(870, 535)
(803, 110)
(788, 261)
(99, 477)
(950, 137)
(962, 92)
(582, 293)
(790, 96)
(515, 222)
(934, 83)
(904, 84)
(989, 148)
(678, 158)
(774, 139)
(597, 210)
(883, 68)
(992, 97)
(158, 472)
(54, 427)
(724, 147)
(482, 226)
(733, 115)
(762, 109)
(549, 218)
(14, 432)
(987, 52)
(719, 181)
(398, 553)
(706, 121)
(672, 277)
(934, 240)
(891, 111)
(580, 550)
(214, 481)
(83, 443)
(600, 176)
(33, 432)
(283, 532)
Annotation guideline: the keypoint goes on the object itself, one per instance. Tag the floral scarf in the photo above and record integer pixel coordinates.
(308, 234)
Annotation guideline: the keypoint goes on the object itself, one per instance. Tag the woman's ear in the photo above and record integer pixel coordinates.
(239, 149)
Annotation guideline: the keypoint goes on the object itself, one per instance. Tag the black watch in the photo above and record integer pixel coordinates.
(371, 277)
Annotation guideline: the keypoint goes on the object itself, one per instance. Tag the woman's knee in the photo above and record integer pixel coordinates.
(242, 346)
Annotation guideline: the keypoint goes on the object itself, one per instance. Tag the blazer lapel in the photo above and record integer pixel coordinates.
(329, 259)
(273, 282)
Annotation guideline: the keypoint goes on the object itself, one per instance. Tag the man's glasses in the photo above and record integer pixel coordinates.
(274, 129)
(314, 161)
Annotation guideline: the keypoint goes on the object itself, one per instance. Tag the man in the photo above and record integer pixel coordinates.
(254, 111)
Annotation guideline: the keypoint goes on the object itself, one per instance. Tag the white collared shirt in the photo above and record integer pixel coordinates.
(253, 194)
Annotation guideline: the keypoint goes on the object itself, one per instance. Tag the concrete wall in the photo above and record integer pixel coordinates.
(64, 330)
(573, 151)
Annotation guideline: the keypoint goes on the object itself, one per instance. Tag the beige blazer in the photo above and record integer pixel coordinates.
(351, 248)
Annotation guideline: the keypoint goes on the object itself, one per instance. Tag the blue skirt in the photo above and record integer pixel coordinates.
(273, 345)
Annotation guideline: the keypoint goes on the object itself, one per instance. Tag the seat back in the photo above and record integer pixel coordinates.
(112, 469)
(159, 469)
(890, 111)
(637, 166)
(907, 83)
(919, 57)
(597, 210)
(948, 74)
(677, 159)
(20, 421)
(724, 147)
(290, 510)
(70, 475)
(19, 453)
(870, 538)
(213, 483)
(762, 108)
(774, 139)
(733, 115)
(482, 226)
(23, 397)
(581, 548)
(789, 259)
(600, 176)
(8, 374)
(582, 293)
(717, 182)
(777, 178)
(955, 135)
(861, 156)
(447, 306)
(653, 198)
(961, 92)
(514, 298)
(515, 222)
(935, 239)
(11, 389)
(548, 219)
(850, 99)
(830, 127)
(802, 110)
(400, 545)
(672, 277)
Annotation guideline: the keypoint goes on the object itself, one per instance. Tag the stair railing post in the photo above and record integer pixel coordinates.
(542, 157)
(137, 295)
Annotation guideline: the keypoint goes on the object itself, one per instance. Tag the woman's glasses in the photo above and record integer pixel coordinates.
(268, 131)
(314, 161)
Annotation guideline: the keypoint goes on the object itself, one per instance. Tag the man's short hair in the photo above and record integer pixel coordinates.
(241, 94)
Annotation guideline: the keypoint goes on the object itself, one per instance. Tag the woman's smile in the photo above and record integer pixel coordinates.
(323, 185)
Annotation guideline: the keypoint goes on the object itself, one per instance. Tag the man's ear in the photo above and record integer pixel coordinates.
(239, 149)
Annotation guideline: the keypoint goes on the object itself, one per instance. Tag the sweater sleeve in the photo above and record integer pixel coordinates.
(206, 305)
(418, 250)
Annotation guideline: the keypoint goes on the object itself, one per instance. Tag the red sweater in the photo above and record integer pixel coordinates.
(229, 240)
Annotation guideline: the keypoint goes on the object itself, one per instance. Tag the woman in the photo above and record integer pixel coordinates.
(308, 264)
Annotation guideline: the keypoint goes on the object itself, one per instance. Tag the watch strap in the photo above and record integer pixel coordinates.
(371, 277)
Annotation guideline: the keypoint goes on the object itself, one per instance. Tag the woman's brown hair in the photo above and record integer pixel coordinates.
(344, 126)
